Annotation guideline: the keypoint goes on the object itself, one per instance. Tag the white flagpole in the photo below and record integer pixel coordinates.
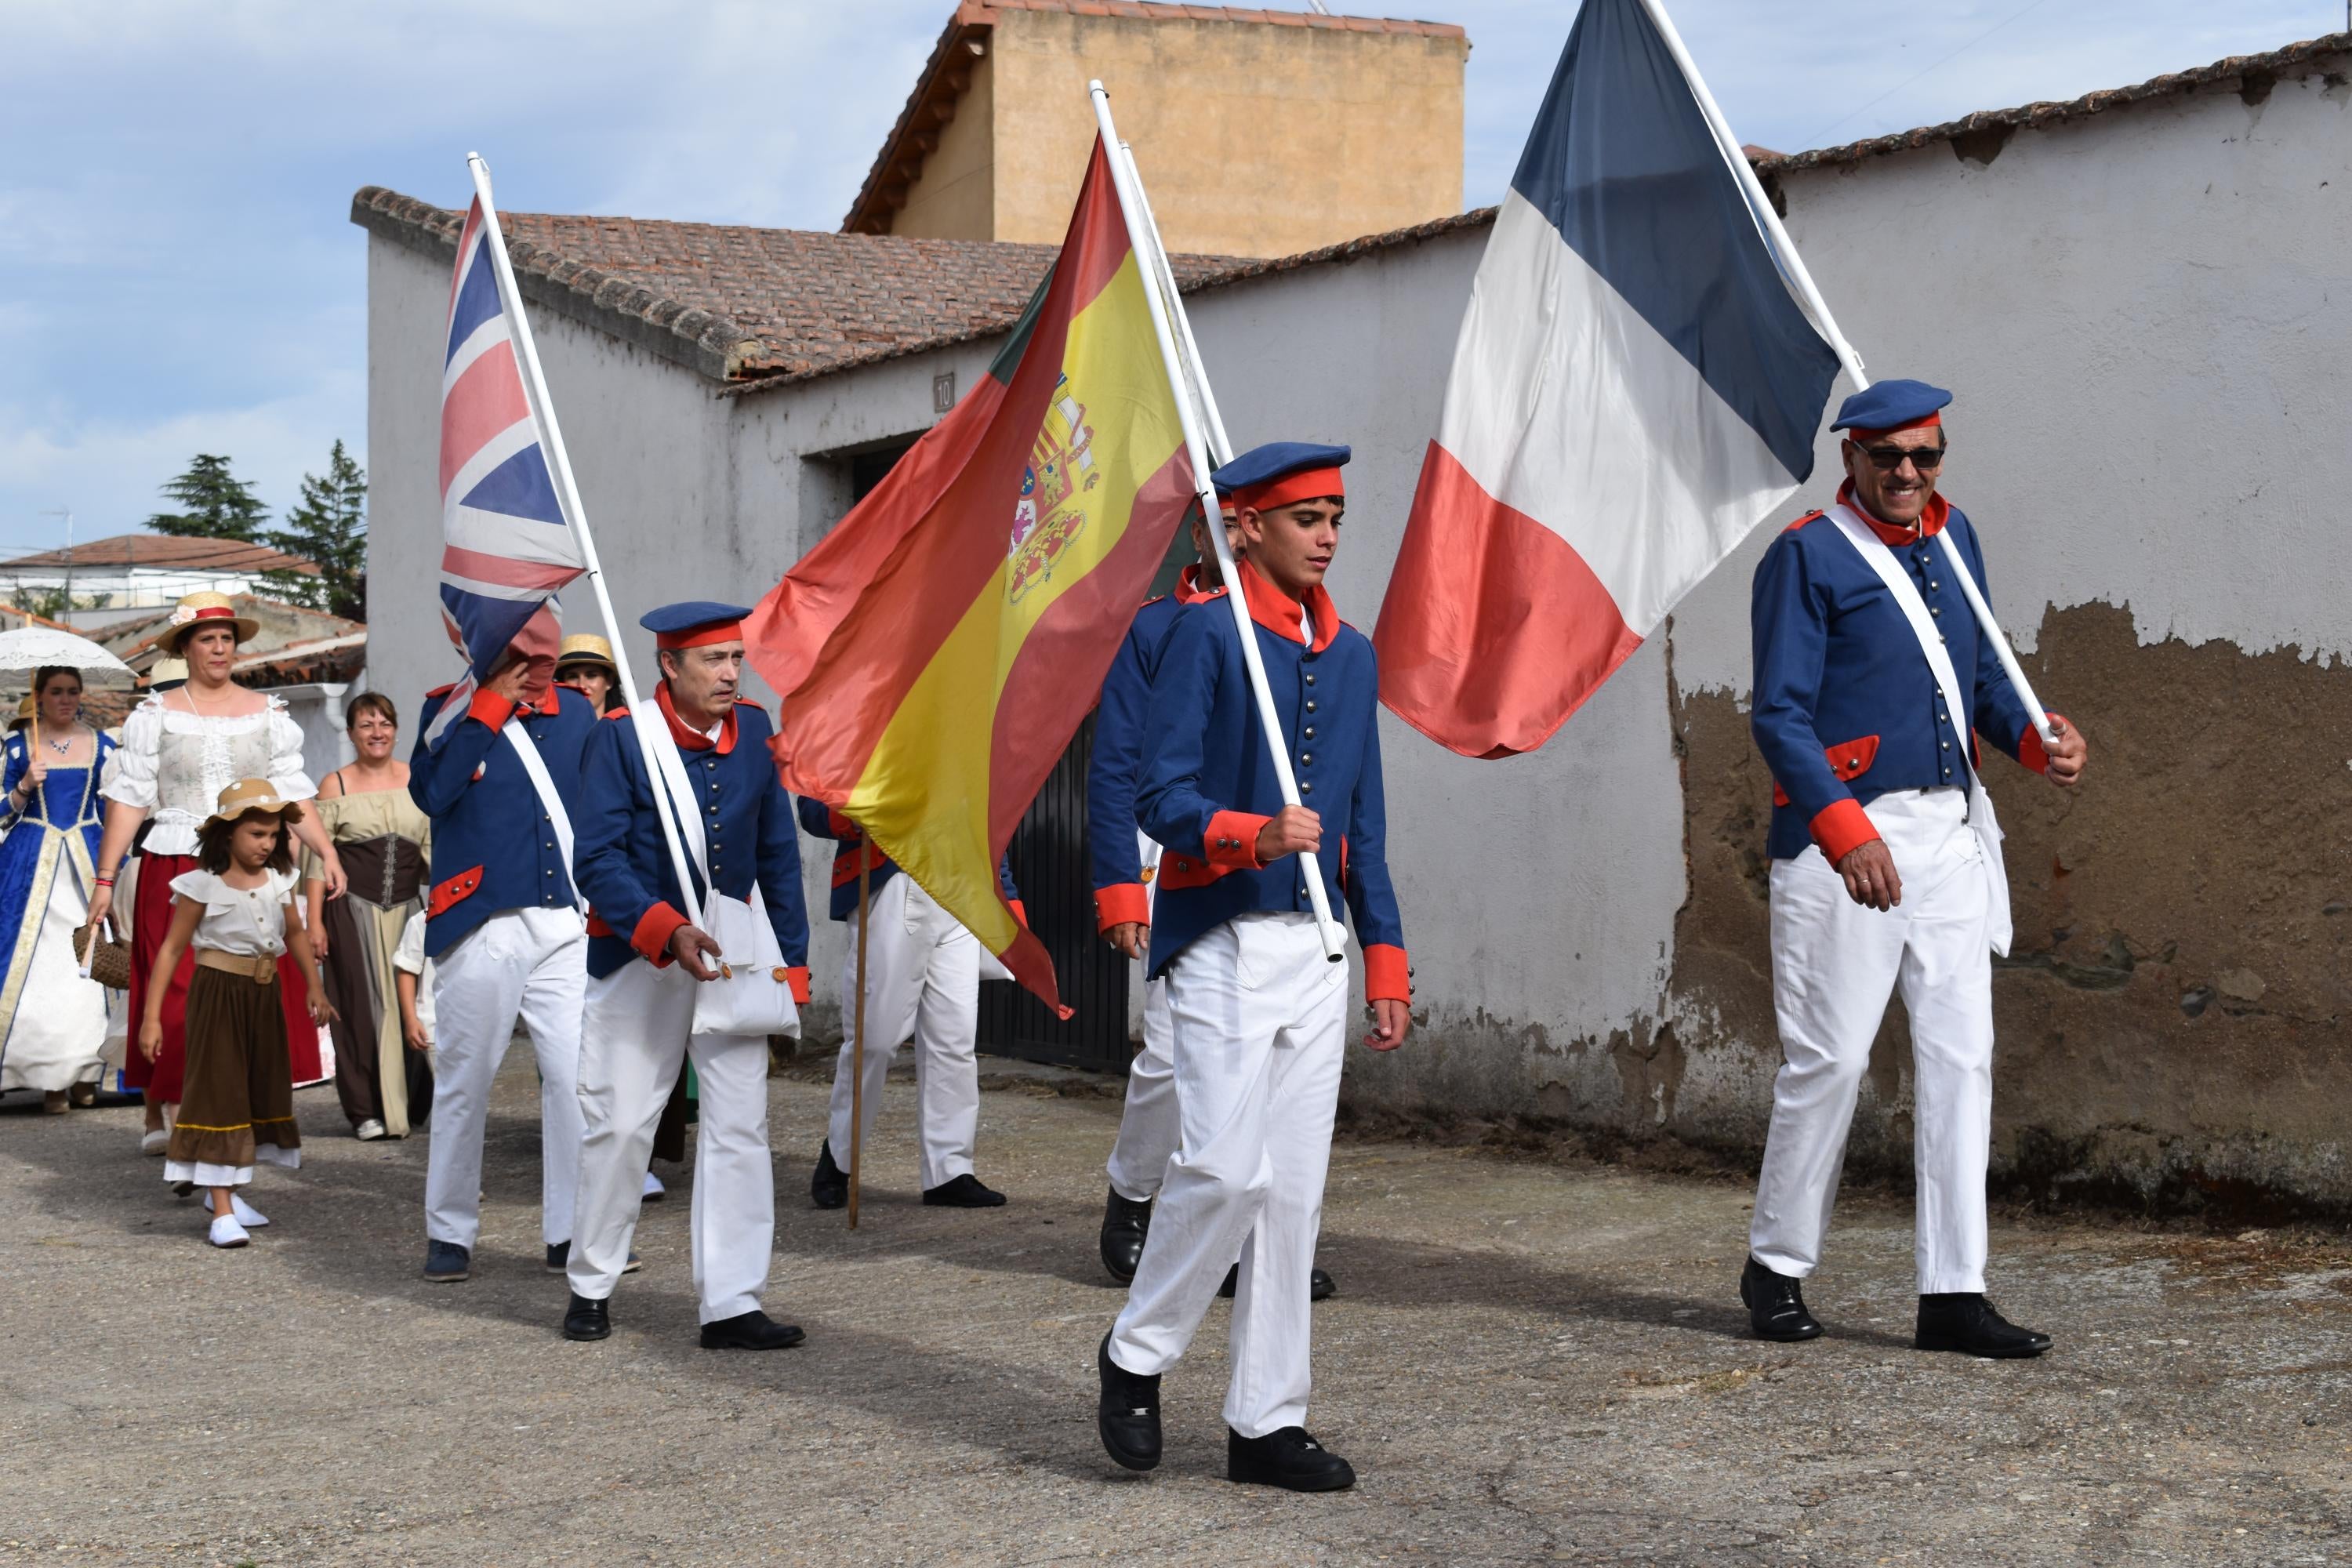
(575, 517)
(1776, 235)
(1144, 243)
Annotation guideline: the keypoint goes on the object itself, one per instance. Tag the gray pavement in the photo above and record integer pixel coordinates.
(1530, 1362)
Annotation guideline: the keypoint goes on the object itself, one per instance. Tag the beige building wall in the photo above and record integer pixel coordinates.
(1256, 139)
(955, 196)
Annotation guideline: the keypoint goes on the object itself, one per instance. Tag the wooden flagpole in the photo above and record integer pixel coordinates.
(1776, 235)
(1142, 240)
(858, 1046)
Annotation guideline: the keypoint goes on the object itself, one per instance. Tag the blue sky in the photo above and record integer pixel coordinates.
(178, 273)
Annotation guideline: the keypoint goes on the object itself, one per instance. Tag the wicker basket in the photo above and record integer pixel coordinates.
(109, 965)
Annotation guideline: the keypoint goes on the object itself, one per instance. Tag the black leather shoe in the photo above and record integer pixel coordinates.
(1125, 1225)
(586, 1319)
(1128, 1415)
(1320, 1286)
(445, 1262)
(964, 1192)
(1776, 1305)
(1288, 1459)
(559, 1256)
(829, 1187)
(751, 1331)
(1967, 1323)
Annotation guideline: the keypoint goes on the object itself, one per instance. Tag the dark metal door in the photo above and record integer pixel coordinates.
(1057, 883)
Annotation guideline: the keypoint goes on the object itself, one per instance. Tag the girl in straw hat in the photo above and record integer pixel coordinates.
(180, 750)
(236, 913)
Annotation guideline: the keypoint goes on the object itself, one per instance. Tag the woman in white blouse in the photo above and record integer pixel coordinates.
(179, 752)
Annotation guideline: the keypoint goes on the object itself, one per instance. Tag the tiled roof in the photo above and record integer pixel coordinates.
(164, 552)
(949, 71)
(739, 303)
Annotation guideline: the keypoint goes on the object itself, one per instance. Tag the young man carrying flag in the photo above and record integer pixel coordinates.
(1258, 1012)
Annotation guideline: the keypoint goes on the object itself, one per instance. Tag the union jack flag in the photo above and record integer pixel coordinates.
(505, 548)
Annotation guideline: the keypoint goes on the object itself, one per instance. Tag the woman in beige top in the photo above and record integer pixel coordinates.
(385, 845)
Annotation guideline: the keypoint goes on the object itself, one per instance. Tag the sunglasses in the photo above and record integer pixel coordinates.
(1886, 459)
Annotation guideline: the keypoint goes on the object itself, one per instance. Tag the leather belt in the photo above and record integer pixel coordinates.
(260, 968)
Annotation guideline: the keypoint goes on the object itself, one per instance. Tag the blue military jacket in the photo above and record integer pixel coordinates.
(747, 827)
(1846, 708)
(1208, 784)
(826, 823)
(1116, 760)
(494, 845)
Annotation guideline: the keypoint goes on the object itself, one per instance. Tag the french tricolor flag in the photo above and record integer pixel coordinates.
(1634, 390)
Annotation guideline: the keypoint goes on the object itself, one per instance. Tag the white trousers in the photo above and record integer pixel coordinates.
(1833, 964)
(634, 1041)
(1260, 1018)
(922, 983)
(527, 964)
(1149, 1129)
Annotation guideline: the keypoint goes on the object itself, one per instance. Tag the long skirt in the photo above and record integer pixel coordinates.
(52, 1019)
(236, 1104)
(377, 1077)
(161, 1080)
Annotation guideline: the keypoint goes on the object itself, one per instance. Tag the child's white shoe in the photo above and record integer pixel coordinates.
(245, 1214)
(226, 1232)
(368, 1131)
(653, 1191)
(154, 1142)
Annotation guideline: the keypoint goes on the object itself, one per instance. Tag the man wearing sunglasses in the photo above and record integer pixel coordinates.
(1885, 866)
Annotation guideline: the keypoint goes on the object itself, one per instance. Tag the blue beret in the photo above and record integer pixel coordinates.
(691, 615)
(1262, 466)
(1889, 404)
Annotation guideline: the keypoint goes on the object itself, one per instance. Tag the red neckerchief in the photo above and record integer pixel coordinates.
(1278, 612)
(1188, 586)
(1931, 521)
(690, 740)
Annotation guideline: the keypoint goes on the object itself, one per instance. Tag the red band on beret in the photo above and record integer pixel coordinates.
(702, 636)
(1925, 421)
(1307, 484)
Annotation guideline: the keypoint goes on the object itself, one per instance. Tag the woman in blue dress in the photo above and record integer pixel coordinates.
(52, 1020)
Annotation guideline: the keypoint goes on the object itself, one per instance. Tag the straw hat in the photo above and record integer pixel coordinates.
(204, 609)
(585, 647)
(26, 708)
(166, 673)
(252, 794)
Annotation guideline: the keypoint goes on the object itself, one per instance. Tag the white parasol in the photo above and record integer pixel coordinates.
(27, 649)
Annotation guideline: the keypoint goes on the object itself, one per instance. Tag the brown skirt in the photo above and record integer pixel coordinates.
(239, 1089)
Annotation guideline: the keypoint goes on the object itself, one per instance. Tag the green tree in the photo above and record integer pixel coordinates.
(328, 529)
(213, 504)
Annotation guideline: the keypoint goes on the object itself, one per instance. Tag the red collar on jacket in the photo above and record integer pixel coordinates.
(1931, 522)
(1278, 612)
(1188, 586)
(690, 740)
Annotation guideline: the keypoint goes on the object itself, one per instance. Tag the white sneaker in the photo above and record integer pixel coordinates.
(154, 1143)
(653, 1188)
(369, 1129)
(245, 1214)
(226, 1232)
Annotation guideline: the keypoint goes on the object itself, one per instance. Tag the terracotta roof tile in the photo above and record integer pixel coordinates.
(739, 303)
(164, 551)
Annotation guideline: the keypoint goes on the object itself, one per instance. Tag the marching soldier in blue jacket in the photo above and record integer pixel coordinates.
(923, 972)
(1259, 1013)
(504, 930)
(1125, 862)
(646, 960)
(1873, 682)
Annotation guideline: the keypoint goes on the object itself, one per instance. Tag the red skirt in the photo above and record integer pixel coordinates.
(161, 1080)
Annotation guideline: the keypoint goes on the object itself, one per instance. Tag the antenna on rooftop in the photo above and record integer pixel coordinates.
(1320, 9)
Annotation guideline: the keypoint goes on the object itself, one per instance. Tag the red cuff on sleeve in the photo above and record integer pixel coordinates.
(1018, 912)
(491, 708)
(1842, 827)
(798, 979)
(2030, 750)
(841, 826)
(1232, 842)
(1123, 903)
(652, 934)
(1388, 976)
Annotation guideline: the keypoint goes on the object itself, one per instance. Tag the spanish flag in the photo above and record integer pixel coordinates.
(937, 650)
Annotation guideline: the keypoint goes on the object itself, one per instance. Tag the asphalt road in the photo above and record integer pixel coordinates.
(1529, 1362)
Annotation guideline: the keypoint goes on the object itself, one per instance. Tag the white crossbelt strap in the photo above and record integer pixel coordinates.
(654, 739)
(536, 766)
(1882, 560)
